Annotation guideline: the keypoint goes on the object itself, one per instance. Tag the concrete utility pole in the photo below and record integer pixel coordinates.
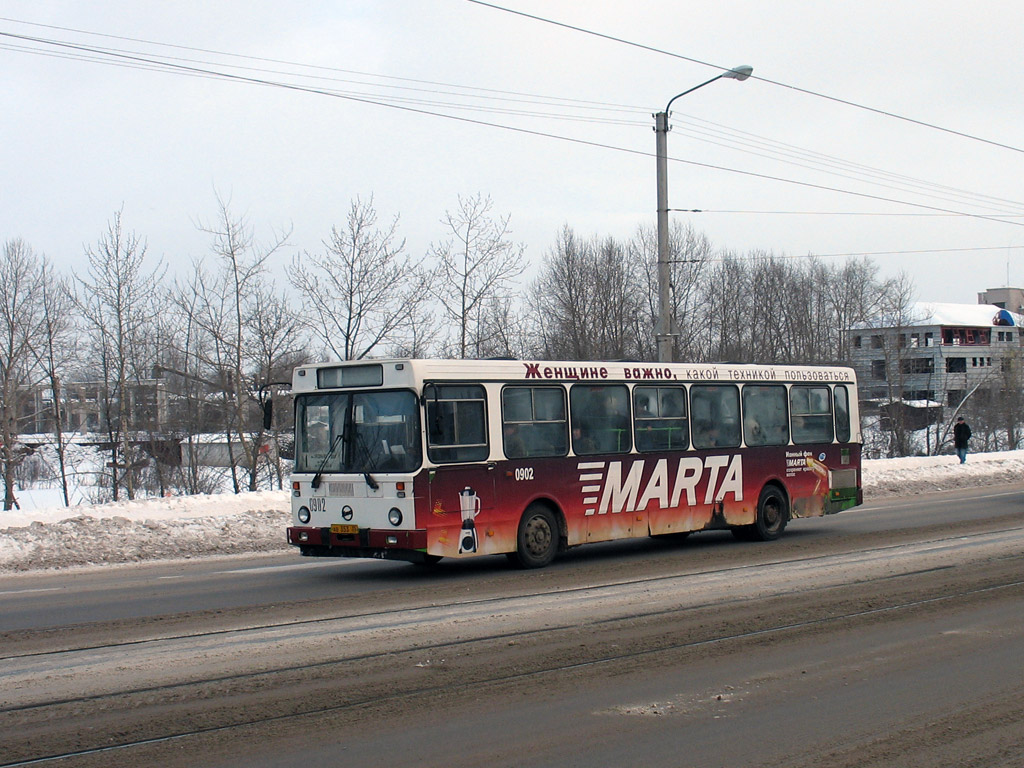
(663, 330)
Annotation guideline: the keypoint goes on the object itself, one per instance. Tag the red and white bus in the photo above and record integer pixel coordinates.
(423, 459)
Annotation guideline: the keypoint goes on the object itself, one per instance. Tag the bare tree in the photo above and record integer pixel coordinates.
(117, 300)
(55, 356)
(226, 309)
(896, 312)
(22, 332)
(502, 331)
(275, 348)
(690, 256)
(587, 299)
(475, 265)
(853, 296)
(561, 298)
(198, 400)
(363, 291)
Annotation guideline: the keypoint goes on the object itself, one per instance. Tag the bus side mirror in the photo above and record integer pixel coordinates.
(268, 414)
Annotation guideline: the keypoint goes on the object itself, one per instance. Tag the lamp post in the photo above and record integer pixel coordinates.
(663, 330)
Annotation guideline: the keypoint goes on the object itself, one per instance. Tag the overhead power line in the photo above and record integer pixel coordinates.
(829, 213)
(443, 94)
(105, 55)
(836, 99)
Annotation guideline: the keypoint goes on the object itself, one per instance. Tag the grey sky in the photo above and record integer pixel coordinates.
(80, 139)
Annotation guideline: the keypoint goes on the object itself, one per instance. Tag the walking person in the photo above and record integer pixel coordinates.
(961, 434)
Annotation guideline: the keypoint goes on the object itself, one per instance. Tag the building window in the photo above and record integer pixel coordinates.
(876, 342)
(956, 365)
(918, 365)
(857, 341)
(878, 370)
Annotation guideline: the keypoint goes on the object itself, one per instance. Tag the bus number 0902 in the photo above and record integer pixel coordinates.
(524, 473)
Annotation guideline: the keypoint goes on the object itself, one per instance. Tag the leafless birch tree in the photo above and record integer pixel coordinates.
(476, 264)
(363, 291)
(227, 308)
(22, 332)
(116, 298)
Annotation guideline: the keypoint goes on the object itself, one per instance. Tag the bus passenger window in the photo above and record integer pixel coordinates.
(842, 402)
(533, 422)
(811, 407)
(715, 415)
(659, 419)
(765, 416)
(456, 423)
(600, 419)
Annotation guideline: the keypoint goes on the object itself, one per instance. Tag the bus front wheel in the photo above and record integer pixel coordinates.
(537, 539)
(772, 516)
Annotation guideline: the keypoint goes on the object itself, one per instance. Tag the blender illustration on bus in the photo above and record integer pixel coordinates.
(469, 503)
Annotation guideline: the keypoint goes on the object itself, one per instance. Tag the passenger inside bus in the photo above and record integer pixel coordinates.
(600, 414)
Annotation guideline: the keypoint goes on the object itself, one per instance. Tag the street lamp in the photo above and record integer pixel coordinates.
(664, 329)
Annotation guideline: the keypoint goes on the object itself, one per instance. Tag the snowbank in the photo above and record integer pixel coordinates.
(198, 526)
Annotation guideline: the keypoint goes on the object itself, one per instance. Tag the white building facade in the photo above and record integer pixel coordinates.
(940, 354)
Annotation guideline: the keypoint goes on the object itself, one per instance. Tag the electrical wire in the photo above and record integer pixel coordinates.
(823, 213)
(137, 60)
(737, 140)
(806, 91)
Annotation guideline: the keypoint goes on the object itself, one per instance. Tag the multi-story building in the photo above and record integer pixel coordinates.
(939, 354)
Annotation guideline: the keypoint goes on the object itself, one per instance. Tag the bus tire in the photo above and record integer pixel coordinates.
(537, 538)
(772, 517)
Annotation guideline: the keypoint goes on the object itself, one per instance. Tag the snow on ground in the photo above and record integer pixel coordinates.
(45, 535)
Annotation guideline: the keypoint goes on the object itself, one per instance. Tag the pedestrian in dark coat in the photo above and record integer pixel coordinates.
(961, 434)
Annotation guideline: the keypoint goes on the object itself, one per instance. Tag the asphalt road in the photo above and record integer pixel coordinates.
(890, 635)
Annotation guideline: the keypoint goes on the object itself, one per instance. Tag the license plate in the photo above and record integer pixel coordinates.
(340, 489)
(344, 528)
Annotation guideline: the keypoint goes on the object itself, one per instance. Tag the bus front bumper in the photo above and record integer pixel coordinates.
(369, 542)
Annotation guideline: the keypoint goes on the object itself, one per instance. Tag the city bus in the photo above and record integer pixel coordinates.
(420, 460)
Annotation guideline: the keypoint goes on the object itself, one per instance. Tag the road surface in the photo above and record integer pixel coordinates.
(890, 635)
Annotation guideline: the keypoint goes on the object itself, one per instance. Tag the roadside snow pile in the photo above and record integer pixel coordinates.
(51, 536)
(150, 529)
(928, 474)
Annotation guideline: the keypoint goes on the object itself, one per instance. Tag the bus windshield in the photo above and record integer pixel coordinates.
(357, 432)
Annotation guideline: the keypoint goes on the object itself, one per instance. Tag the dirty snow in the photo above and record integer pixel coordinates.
(45, 535)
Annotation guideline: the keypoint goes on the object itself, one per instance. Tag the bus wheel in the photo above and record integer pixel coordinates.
(537, 540)
(772, 516)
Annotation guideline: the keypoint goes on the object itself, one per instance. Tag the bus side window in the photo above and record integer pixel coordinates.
(456, 423)
(533, 422)
(765, 416)
(841, 396)
(811, 407)
(715, 415)
(600, 418)
(659, 419)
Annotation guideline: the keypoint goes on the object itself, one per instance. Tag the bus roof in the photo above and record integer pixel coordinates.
(406, 372)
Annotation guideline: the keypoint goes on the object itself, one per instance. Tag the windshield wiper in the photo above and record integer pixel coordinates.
(315, 483)
(374, 486)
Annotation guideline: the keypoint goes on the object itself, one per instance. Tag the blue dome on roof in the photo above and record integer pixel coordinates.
(1003, 317)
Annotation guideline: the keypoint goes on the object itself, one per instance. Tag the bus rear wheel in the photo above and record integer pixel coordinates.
(537, 539)
(772, 517)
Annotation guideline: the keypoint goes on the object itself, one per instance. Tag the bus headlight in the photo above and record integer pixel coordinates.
(303, 515)
(395, 516)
